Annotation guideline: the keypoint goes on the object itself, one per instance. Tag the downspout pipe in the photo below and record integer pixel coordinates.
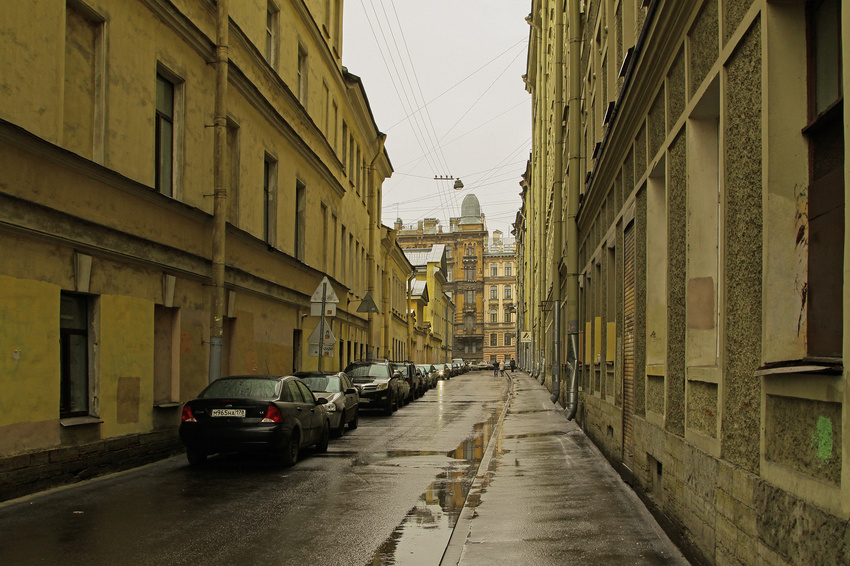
(574, 122)
(219, 191)
(374, 222)
(557, 206)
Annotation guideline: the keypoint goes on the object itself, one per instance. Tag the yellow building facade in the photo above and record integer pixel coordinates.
(694, 154)
(108, 127)
(431, 305)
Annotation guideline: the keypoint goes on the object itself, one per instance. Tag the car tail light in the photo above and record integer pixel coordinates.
(187, 416)
(272, 415)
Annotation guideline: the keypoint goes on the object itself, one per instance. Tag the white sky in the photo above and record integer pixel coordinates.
(463, 60)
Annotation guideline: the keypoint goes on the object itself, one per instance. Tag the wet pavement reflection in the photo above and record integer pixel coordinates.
(422, 536)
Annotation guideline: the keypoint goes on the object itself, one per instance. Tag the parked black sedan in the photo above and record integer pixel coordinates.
(270, 414)
(343, 399)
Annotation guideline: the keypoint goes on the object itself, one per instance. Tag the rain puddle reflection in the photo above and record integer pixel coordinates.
(422, 536)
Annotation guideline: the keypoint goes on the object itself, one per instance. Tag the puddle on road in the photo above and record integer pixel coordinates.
(422, 536)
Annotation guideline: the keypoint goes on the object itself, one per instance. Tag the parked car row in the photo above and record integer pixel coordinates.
(281, 415)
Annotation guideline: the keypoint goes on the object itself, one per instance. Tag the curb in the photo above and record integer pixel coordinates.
(457, 541)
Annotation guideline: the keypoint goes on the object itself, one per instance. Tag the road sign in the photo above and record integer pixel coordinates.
(324, 293)
(367, 304)
(316, 309)
(322, 333)
(328, 350)
(525, 336)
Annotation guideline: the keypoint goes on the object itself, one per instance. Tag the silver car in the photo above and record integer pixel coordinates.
(343, 399)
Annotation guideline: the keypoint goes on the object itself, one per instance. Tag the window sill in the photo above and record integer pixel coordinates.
(78, 421)
(823, 366)
(169, 405)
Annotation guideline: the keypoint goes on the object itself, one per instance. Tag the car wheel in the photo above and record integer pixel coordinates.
(195, 458)
(290, 451)
(322, 445)
(391, 405)
(341, 428)
(353, 423)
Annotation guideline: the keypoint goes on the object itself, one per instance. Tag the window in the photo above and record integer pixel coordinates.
(469, 298)
(302, 74)
(325, 242)
(508, 292)
(269, 184)
(508, 269)
(508, 315)
(470, 249)
(509, 339)
(300, 220)
(166, 355)
(344, 148)
(326, 109)
(74, 355)
(448, 252)
(494, 316)
(494, 292)
(272, 29)
(469, 273)
(468, 322)
(164, 149)
(494, 270)
(826, 182)
(494, 339)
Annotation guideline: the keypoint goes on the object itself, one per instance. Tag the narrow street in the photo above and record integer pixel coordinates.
(388, 492)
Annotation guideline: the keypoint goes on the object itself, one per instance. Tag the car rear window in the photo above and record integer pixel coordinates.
(370, 370)
(242, 388)
(326, 384)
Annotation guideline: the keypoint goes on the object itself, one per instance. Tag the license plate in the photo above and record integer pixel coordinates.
(227, 413)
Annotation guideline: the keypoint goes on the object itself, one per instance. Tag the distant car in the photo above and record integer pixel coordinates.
(459, 365)
(484, 365)
(269, 414)
(343, 399)
(380, 386)
(444, 371)
(408, 370)
(430, 373)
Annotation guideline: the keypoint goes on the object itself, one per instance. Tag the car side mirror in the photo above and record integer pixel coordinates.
(321, 401)
(350, 391)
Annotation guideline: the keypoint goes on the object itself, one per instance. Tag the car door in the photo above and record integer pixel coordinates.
(314, 415)
(350, 398)
(302, 412)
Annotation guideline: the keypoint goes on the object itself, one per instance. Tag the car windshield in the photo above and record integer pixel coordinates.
(242, 388)
(368, 370)
(328, 384)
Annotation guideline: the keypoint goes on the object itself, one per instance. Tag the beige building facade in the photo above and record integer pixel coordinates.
(500, 299)
(110, 123)
(465, 241)
(430, 304)
(694, 154)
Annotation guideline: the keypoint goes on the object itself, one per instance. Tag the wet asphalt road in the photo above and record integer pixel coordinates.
(388, 492)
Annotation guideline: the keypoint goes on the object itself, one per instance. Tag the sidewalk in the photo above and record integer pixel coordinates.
(545, 495)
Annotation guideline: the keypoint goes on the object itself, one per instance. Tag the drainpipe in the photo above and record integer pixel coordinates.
(219, 192)
(372, 265)
(572, 205)
(557, 205)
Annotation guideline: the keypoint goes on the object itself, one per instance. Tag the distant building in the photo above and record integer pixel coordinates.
(466, 243)
(431, 306)
(499, 299)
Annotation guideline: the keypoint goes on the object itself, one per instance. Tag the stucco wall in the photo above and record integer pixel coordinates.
(743, 262)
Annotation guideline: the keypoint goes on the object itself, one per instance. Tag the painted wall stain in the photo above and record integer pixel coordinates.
(822, 440)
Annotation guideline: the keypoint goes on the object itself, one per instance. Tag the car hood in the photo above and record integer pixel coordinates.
(368, 379)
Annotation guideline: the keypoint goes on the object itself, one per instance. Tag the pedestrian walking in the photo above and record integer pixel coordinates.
(495, 369)
(513, 365)
(502, 367)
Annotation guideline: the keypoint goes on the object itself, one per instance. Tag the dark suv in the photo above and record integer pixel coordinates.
(380, 385)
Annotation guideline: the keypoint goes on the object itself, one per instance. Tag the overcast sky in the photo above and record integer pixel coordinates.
(444, 80)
